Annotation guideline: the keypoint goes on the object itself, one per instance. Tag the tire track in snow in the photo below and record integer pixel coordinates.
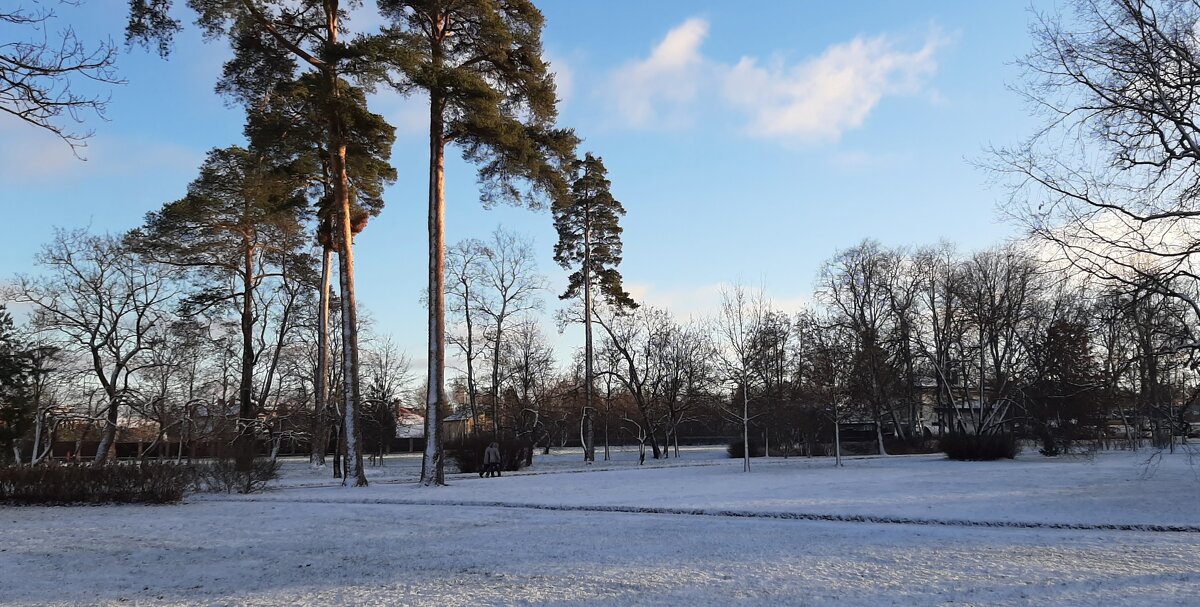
(742, 514)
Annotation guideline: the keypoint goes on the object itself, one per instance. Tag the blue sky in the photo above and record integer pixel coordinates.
(748, 141)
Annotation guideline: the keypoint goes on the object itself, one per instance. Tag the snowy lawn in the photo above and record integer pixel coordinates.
(395, 543)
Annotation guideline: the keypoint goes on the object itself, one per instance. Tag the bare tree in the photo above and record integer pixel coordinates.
(693, 376)
(104, 303)
(630, 349)
(37, 73)
(997, 292)
(943, 322)
(1110, 180)
(741, 317)
(509, 285)
(387, 370)
(529, 367)
(464, 268)
(854, 283)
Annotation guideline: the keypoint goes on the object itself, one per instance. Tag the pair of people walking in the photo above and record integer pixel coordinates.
(491, 461)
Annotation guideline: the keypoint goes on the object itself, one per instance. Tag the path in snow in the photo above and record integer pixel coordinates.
(750, 514)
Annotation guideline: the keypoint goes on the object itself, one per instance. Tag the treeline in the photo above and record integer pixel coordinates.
(915, 343)
(122, 346)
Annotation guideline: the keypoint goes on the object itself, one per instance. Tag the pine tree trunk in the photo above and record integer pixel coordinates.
(320, 432)
(345, 243)
(432, 472)
(589, 437)
(350, 385)
(243, 449)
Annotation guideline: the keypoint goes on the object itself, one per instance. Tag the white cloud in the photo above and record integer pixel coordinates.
(655, 91)
(819, 99)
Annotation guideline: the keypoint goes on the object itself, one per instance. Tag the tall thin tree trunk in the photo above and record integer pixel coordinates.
(589, 436)
(473, 428)
(607, 454)
(345, 244)
(320, 431)
(350, 385)
(496, 374)
(837, 437)
(243, 450)
(432, 468)
(745, 427)
(339, 468)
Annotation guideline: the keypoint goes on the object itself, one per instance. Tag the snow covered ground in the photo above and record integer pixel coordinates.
(692, 531)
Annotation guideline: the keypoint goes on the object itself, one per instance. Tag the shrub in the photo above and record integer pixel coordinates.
(123, 483)
(467, 453)
(735, 449)
(971, 447)
(221, 476)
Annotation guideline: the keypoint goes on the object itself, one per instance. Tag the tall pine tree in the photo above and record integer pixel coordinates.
(589, 242)
(272, 40)
(490, 92)
(288, 124)
(239, 224)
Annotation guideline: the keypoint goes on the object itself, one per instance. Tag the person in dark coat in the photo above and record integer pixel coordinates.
(491, 460)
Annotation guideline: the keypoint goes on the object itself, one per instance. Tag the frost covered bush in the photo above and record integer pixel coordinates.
(467, 453)
(124, 483)
(986, 447)
(222, 476)
(735, 449)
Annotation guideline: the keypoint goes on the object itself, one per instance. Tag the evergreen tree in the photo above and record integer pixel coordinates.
(239, 224)
(589, 242)
(273, 40)
(480, 62)
(289, 125)
(1063, 400)
(16, 402)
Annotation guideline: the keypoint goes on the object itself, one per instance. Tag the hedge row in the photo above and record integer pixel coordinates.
(83, 484)
(127, 482)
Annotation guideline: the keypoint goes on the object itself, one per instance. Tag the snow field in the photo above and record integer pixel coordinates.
(340, 546)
